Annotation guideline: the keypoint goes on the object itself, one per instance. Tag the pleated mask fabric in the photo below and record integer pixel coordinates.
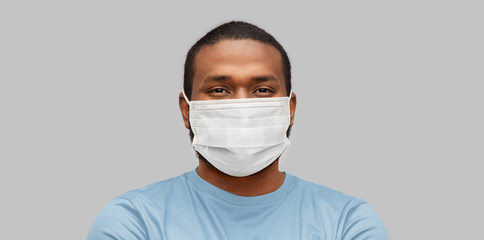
(240, 137)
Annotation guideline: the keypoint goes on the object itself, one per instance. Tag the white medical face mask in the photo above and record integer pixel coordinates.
(240, 137)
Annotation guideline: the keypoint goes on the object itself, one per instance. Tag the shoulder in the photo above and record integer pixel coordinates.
(325, 196)
(158, 190)
(125, 216)
(354, 218)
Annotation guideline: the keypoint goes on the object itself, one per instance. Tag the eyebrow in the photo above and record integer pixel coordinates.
(264, 78)
(218, 78)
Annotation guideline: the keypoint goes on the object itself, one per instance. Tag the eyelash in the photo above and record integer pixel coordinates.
(268, 90)
(213, 90)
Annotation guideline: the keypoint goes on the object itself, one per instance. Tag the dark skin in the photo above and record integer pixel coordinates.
(238, 69)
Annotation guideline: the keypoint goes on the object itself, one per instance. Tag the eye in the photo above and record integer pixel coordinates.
(218, 90)
(264, 91)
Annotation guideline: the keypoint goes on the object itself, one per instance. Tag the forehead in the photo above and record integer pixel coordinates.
(239, 58)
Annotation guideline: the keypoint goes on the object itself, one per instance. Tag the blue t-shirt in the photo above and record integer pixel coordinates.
(188, 207)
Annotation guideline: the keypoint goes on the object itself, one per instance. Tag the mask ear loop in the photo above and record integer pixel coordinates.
(186, 99)
(289, 98)
(284, 153)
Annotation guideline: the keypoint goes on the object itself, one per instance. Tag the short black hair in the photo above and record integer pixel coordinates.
(234, 30)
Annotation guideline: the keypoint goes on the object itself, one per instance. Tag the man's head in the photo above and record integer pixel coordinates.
(236, 60)
(234, 30)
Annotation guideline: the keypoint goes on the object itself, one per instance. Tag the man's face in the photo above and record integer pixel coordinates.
(237, 69)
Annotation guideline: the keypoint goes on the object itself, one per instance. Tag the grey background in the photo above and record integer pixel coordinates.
(390, 106)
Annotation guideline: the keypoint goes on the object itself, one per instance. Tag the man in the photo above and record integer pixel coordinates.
(238, 105)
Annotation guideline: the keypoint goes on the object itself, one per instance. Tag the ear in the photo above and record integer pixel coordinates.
(292, 104)
(185, 110)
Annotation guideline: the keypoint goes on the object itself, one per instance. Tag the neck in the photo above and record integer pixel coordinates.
(265, 181)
